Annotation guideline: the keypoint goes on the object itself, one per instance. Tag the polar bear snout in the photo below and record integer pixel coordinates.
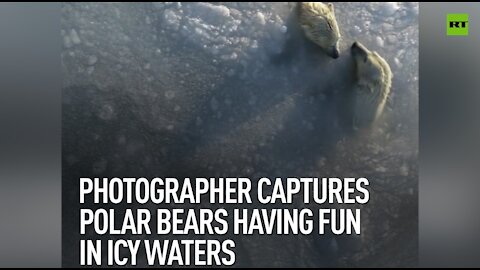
(334, 52)
(358, 49)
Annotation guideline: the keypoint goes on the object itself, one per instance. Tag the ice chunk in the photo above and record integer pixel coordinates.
(171, 19)
(391, 39)
(170, 94)
(379, 41)
(159, 5)
(106, 112)
(92, 60)
(397, 62)
(260, 18)
(90, 70)
(387, 27)
(390, 8)
(74, 37)
(211, 14)
(67, 42)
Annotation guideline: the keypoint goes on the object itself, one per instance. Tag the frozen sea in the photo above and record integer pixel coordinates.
(209, 89)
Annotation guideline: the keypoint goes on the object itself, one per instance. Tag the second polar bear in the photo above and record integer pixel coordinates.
(320, 25)
(372, 85)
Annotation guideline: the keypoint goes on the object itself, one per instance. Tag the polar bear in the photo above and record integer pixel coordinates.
(320, 25)
(373, 79)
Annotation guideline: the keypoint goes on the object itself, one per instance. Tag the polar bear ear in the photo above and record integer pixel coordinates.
(330, 6)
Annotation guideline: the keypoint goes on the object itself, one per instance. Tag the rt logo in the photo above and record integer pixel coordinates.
(457, 24)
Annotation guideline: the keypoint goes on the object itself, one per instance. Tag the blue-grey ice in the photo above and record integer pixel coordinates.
(173, 87)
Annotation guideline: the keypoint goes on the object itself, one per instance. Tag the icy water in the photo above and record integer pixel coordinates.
(228, 89)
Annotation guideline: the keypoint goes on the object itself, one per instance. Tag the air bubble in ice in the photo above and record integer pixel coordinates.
(106, 112)
(170, 94)
(92, 60)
